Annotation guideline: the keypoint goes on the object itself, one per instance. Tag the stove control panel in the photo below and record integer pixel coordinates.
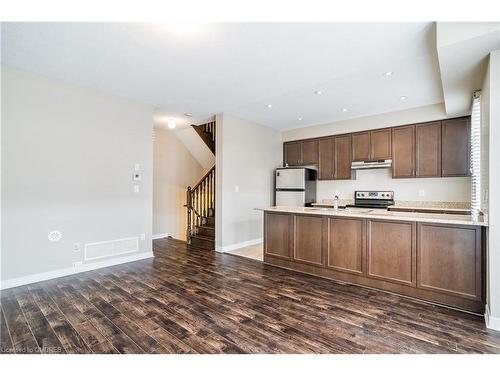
(378, 195)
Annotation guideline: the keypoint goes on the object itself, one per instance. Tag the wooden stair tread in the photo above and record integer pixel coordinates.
(201, 237)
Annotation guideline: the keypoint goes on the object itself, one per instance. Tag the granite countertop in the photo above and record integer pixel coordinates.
(410, 205)
(381, 214)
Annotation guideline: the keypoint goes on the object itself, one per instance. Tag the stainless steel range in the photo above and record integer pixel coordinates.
(373, 199)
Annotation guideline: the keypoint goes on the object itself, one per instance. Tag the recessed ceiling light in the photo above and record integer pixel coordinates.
(318, 92)
(344, 109)
(188, 114)
(269, 106)
(300, 118)
(403, 98)
(171, 124)
(388, 74)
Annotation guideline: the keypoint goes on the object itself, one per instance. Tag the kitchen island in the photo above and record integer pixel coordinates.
(432, 257)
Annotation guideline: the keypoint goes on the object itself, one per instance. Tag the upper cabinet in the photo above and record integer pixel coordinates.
(301, 152)
(361, 146)
(403, 155)
(431, 149)
(292, 153)
(326, 167)
(371, 145)
(428, 149)
(380, 144)
(455, 147)
(342, 159)
(310, 152)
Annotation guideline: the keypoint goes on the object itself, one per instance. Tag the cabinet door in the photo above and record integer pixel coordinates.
(403, 140)
(428, 149)
(361, 146)
(342, 157)
(391, 251)
(455, 147)
(326, 167)
(308, 239)
(277, 228)
(380, 144)
(292, 153)
(310, 152)
(449, 260)
(346, 245)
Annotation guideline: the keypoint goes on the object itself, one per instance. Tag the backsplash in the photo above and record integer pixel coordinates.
(449, 189)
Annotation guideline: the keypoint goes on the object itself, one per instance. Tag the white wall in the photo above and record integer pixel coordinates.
(247, 154)
(175, 169)
(456, 189)
(449, 189)
(68, 156)
(491, 120)
(195, 145)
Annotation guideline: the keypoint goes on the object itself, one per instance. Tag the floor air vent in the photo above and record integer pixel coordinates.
(106, 249)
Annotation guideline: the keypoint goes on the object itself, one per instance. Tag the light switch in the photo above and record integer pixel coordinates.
(137, 167)
(236, 188)
(421, 192)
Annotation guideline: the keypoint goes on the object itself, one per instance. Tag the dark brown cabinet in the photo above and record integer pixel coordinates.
(371, 145)
(449, 259)
(361, 146)
(310, 152)
(326, 167)
(292, 153)
(307, 234)
(403, 160)
(301, 152)
(428, 149)
(380, 144)
(433, 149)
(455, 147)
(346, 245)
(391, 251)
(342, 157)
(277, 235)
(441, 263)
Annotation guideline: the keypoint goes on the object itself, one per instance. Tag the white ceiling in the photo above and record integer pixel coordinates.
(240, 68)
(463, 48)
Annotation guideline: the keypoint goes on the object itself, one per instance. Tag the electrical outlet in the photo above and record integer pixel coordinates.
(77, 264)
(143, 236)
(136, 188)
(421, 192)
(76, 246)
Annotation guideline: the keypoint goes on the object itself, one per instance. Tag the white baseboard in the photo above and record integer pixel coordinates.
(30, 279)
(159, 235)
(492, 322)
(224, 249)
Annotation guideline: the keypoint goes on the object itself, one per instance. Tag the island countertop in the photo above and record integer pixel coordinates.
(382, 214)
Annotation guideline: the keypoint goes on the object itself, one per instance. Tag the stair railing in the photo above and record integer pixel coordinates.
(200, 199)
(209, 128)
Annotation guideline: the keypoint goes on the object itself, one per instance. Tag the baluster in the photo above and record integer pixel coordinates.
(203, 198)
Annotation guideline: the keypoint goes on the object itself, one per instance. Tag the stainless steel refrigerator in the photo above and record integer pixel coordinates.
(295, 187)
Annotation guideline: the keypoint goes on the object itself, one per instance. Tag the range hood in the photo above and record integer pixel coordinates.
(371, 164)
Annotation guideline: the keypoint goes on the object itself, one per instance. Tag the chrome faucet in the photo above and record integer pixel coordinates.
(336, 201)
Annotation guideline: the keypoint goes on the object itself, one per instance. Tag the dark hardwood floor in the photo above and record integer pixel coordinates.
(188, 300)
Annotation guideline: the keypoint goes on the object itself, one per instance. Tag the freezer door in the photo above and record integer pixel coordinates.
(290, 198)
(293, 178)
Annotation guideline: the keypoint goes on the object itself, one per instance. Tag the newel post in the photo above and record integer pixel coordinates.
(188, 206)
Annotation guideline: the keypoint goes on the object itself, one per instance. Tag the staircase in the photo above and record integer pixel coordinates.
(200, 199)
(207, 134)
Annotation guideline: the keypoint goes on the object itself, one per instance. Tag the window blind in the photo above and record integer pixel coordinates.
(475, 156)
